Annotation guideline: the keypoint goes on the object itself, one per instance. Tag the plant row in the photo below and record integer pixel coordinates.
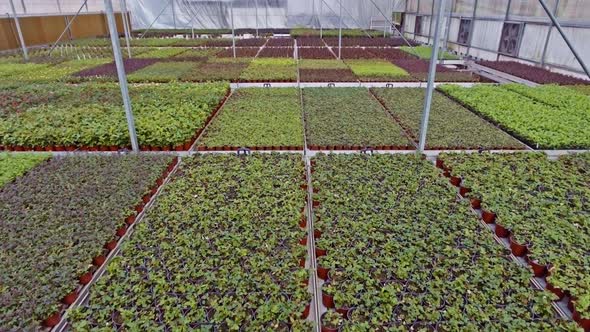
(257, 118)
(219, 251)
(14, 165)
(90, 117)
(397, 251)
(539, 124)
(59, 221)
(533, 73)
(450, 126)
(348, 118)
(542, 207)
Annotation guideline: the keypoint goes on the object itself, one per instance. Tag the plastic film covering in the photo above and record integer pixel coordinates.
(53, 7)
(264, 14)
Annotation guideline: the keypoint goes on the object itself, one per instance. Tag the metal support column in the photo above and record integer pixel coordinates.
(389, 12)
(233, 32)
(320, 20)
(173, 14)
(431, 76)
(548, 35)
(125, 27)
(19, 31)
(266, 13)
(340, 33)
(565, 38)
(121, 73)
(256, 7)
(67, 27)
(129, 29)
(471, 26)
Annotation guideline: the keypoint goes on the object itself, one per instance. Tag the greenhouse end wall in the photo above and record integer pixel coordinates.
(481, 24)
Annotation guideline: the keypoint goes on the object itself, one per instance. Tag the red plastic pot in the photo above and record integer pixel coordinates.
(303, 241)
(139, 207)
(85, 278)
(70, 148)
(555, 290)
(316, 204)
(121, 231)
(455, 181)
(463, 191)
(302, 262)
(329, 329)
(146, 198)
(113, 148)
(187, 146)
(38, 148)
(488, 217)
(320, 252)
(447, 173)
(328, 300)
(344, 311)
(130, 220)
(317, 234)
(70, 298)
(539, 270)
(501, 231)
(305, 313)
(99, 260)
(439, 163)
(518, 250)
(52, 320)
(303, 222)
(111, 245)
(476, 203)
(322, 272)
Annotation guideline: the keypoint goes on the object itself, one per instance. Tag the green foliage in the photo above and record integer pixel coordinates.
(539, 124)
(217, 69)
(450, 126)
(543, 202)
(15, 165)
(32, 72)
(407, 251)
(162, 72)
(92, 115)
(219, 247)
(585, 89)
(270, 69)
(348, 117)
(258, 117)
(380, 70)
(162, 53)
(55, 220)
(197, 53)
(322, 64)
(425, 52)
(152, 42)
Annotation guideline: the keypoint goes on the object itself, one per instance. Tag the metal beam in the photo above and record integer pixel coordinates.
(565, 38)
(67, 27)
(121, 73)
(125, 26)
(173, 14)
(431, 76)
(256, 6)
(154, 21)
(20, 33)
(233, 32)
(320, 20)
(548, 35)
(340, 32)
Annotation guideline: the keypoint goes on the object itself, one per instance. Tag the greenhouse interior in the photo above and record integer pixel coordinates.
(295, 165)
